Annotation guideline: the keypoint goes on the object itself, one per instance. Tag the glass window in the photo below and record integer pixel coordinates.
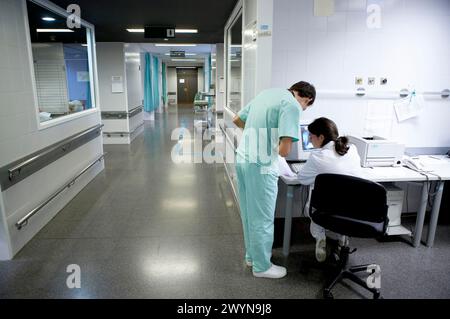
(234, 64)
(62, 63)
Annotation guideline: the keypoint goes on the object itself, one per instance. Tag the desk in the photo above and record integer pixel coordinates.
(388, 174)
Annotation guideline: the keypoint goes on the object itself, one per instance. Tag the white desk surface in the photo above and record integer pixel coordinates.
(438, 165)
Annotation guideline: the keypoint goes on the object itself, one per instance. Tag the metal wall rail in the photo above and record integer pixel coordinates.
(120, 115)
(363, 92)
(233, 143)
(23, 221)
(17, 171)
(122, 134)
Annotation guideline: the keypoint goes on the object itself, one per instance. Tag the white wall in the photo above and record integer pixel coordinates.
(410, 49)
(161, 104)
(20, 135)
(172, 83)
(111, 62)
(220, 77)
(133, 76)
(201, 80)
(206, 76)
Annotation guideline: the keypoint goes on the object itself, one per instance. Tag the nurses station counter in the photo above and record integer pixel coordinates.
(437, 170)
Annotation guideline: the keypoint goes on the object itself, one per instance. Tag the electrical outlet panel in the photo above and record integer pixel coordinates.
(371, 81)
(359, 81)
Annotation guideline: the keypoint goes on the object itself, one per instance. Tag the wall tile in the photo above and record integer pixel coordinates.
(337, 22)
(340, 5)
(409, 49)
(357, 5)
(356, 22)
(316, 24)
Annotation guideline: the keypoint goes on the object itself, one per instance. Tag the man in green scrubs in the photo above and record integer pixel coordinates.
(271, 124)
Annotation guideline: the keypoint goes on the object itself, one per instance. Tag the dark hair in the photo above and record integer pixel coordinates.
(329, 130)
(304, 89)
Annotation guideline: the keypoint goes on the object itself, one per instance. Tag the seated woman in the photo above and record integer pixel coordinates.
(334, 156)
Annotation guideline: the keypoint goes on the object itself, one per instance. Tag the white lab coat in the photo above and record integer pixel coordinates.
(327, 160)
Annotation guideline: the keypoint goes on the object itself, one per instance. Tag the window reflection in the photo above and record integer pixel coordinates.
(61, 64)
(234, 59)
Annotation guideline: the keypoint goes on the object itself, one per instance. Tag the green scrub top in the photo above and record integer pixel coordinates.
(271, 115)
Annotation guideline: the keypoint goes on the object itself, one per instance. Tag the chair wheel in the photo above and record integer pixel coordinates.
(377, 295)
(327, 294)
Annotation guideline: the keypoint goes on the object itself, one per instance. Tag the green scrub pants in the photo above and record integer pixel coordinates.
(257, 200)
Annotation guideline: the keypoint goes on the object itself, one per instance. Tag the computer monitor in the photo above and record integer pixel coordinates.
(302, 150)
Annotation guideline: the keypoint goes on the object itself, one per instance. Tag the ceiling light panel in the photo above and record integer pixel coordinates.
(53, 30)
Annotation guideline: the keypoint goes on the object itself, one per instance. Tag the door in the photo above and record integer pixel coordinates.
(186, 85)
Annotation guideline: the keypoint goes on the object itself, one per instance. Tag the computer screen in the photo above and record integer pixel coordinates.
(306, 143)
(300, 151)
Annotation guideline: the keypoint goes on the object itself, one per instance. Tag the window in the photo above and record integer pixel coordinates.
(234, 64)
(62, 62)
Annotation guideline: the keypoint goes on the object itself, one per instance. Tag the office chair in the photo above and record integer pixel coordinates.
(352, 207)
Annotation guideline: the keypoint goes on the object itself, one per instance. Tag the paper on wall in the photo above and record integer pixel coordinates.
(408, 107)
(117, 84)
(323, 8)
(379, 118)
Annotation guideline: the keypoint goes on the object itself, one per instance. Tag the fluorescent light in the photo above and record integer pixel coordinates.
(176, 30)
(54, 30)
(185, 67)
(131, 54)
(84, 45)
(174, 45)
(184, 60)
(187, 54)
(48, 19)
(186, 31)
(235, 60)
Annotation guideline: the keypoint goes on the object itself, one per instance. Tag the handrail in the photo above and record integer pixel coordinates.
(124, 133)
(361, 91)
(20, 170)
(228, 138)
(121, 114)
(23, 221)
(136, 110)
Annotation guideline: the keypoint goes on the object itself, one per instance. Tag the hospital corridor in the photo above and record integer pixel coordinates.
(257, 150)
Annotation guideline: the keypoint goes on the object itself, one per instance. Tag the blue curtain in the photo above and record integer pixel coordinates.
(148, 88)
(88, 96)
(164, 84)
(155, 78)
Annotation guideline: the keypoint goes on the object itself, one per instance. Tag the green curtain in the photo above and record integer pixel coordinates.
(164, 84)
(148, 87)
(155, 79)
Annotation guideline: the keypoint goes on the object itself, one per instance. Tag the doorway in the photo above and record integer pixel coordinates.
(186, 86)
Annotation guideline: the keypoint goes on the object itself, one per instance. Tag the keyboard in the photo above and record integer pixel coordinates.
(296, 167)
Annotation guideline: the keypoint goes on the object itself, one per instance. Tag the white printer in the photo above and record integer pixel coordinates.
(376, 151)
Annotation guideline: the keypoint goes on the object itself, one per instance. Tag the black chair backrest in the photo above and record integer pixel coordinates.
(350, 197)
